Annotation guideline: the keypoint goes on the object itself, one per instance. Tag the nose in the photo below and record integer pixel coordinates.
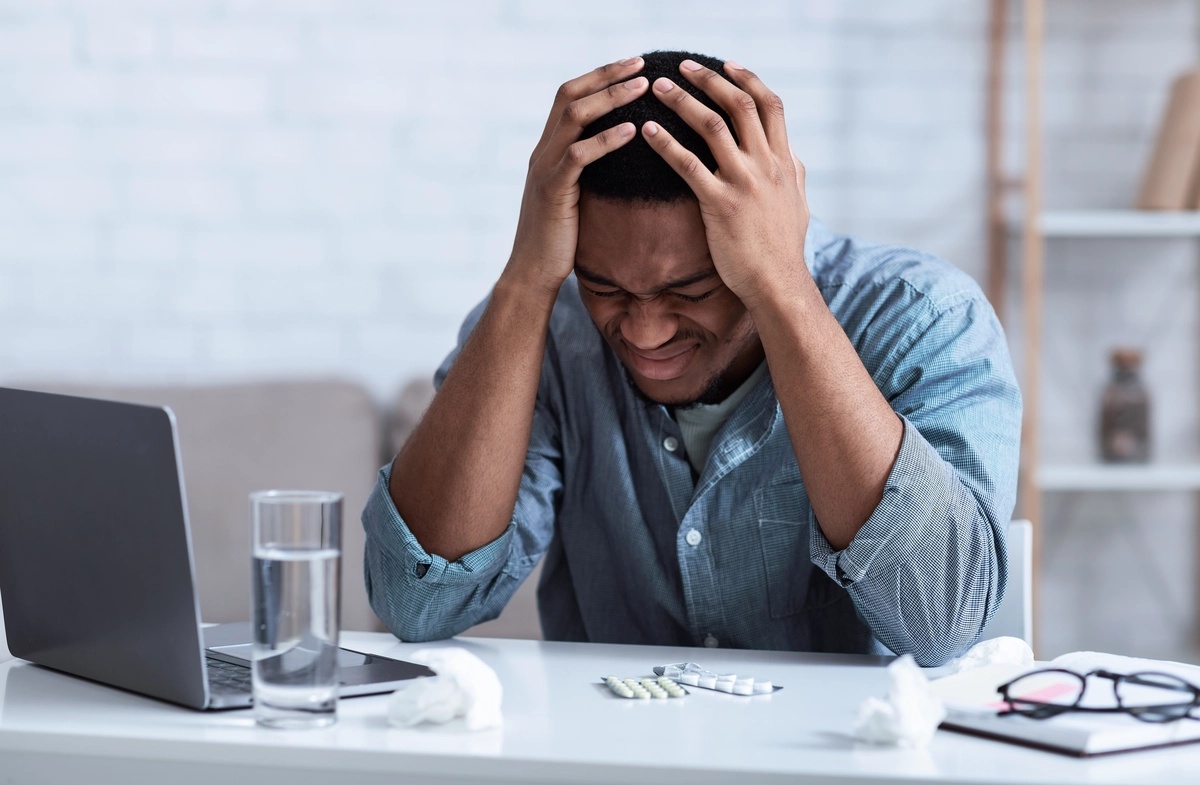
(648, 325)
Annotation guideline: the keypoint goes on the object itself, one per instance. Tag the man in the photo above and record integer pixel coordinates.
(733, 428)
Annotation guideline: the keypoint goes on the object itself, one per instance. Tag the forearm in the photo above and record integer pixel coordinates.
(455, 482)
(843, 432)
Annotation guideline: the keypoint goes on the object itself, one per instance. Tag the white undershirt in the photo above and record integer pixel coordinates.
(699, 424)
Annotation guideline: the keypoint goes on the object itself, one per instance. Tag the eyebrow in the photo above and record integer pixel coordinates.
(678, 283)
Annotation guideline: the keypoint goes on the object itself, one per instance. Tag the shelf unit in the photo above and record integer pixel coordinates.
(1122, 479)
(1133, 224)
(1032, 227)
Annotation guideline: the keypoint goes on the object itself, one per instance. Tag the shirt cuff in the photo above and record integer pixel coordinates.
(389, 531)
(916, 485)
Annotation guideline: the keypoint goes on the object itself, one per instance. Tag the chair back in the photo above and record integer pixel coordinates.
(1015, 615)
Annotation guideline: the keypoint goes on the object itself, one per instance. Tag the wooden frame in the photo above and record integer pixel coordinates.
(1032, 241)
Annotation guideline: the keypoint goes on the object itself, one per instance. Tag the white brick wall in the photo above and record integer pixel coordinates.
(203, 189)
(373, 153)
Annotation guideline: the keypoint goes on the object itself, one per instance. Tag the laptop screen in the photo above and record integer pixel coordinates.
(92, 512)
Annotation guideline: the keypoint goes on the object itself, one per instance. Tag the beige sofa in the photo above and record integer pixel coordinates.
(313, 434)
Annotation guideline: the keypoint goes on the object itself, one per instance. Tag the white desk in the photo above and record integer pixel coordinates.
(561, 726)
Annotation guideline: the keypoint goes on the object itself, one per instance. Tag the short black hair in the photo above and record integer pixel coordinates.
(635, 172)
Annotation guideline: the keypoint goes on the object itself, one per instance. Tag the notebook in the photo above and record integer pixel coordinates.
(973, 705)
(96, 571)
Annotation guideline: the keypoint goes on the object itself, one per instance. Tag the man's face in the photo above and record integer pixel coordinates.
(648, 281)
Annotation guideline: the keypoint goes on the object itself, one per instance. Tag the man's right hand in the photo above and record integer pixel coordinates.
(548, 228)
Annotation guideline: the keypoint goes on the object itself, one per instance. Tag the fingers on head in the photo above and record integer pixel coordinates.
(597, 79)
(723, 92)
(582, 111)
(703, 120)
(768, 105)
(585, 151)
(678, 157)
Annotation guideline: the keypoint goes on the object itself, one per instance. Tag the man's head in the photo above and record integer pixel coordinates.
(643, 264)
(634, 172)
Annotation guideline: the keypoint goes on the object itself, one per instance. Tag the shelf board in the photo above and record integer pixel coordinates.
(1119, 223)
(1117, 477)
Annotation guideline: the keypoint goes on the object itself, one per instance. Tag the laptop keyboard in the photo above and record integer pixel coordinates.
(227, 678)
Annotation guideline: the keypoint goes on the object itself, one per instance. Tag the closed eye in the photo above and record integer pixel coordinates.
(687, 298)
(695, 298)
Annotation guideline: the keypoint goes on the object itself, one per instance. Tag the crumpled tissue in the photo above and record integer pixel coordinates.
(908, 716)
(1005, 650)
(465, 686)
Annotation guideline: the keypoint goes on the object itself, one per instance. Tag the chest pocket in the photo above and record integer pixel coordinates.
(793, 584)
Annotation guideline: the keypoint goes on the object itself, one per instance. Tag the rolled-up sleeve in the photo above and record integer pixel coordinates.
(420, 595)
(927, 570)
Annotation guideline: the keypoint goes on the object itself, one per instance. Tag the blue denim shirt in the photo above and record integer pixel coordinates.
(638, 550)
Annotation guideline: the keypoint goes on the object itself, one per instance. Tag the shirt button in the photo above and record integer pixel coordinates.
(711, 642)
(670, 444)
(693, 537)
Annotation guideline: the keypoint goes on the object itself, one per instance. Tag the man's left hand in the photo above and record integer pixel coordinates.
(754, 209)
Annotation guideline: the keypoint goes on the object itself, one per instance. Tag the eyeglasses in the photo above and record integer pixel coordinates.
(1148, 696)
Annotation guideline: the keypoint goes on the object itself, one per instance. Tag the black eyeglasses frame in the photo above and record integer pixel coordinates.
(1040, 710)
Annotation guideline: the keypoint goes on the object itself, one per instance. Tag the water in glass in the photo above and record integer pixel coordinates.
(295, 637)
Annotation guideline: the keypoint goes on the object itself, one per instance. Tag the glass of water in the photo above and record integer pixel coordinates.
(297, 576)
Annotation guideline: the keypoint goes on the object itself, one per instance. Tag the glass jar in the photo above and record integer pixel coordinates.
(1125, 411)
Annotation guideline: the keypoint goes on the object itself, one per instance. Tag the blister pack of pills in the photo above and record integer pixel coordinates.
(644, 689)
(692, 675)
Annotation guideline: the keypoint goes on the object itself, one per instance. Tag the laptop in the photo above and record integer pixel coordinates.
(96, 571)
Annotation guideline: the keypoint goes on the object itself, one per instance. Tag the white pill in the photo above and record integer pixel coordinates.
(708, 682)
(724, 686)
(690, 678)
(763, 687)
(676, 692)
(743, 689)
